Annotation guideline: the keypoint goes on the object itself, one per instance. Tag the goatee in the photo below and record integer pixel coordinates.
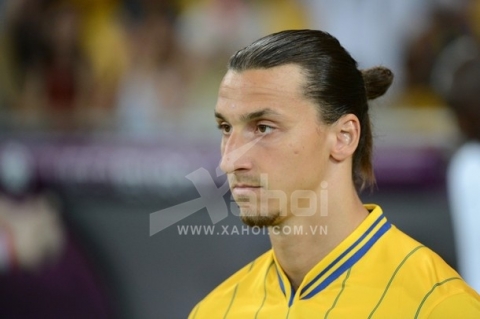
(260, 221)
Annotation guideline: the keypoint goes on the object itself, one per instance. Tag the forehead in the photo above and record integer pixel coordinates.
(272, 87)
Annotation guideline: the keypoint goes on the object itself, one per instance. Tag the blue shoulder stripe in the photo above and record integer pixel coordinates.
(353, 246)
(351, 261)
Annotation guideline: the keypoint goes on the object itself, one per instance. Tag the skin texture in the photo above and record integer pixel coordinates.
(285, 167)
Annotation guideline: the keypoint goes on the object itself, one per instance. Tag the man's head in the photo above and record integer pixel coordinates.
(464, 98)
(295, 104)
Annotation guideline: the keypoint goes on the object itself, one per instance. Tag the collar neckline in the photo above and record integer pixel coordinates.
(339, 260)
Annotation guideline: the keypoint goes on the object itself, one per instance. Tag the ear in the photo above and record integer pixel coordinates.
(347, 135)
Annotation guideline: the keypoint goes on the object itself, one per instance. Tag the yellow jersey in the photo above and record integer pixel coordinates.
(376, 272)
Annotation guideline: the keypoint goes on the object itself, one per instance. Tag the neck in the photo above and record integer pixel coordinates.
(316, 236)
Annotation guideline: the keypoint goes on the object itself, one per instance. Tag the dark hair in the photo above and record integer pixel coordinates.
(464, 97)
(333, 82)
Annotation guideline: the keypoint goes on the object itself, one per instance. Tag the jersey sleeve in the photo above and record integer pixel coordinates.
(463, 305)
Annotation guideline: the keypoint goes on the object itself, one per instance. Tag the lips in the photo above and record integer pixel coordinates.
(245, 189)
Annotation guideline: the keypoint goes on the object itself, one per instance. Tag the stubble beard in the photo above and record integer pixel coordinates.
(258, 218)
(259, 221)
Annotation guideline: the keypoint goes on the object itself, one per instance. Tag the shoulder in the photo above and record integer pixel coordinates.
(464, 304)
(470, 148)
(406, 252)
(408, 264)
(465, 159)
(222, 295)
(415, 277)
(463, 183)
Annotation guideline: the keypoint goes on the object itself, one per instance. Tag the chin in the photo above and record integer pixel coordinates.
(255, 220)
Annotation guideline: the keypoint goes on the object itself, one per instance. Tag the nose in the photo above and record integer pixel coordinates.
(236, 153)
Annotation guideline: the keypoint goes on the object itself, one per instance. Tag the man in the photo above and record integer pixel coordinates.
(296, 146)
(463, 178)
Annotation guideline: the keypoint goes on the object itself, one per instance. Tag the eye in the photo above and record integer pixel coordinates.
(225, 128)
(264, 129)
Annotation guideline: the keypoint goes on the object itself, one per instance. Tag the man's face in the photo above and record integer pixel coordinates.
(274, 148)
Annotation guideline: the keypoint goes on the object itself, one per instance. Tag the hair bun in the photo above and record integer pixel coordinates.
(377, 81)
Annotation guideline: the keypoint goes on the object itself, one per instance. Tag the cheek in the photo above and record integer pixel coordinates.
(296, 150)
(300, 152)
(306, 164)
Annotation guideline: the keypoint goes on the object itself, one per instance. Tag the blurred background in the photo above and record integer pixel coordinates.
(107, 105)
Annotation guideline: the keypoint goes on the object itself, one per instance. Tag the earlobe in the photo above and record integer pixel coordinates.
(347, 132)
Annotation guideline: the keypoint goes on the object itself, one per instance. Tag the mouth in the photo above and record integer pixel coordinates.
(245, 189)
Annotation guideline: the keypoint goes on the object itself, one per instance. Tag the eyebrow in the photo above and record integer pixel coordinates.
(250, 116)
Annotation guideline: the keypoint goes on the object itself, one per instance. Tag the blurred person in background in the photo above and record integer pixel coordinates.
(105, 44)
(463, 178)
(151, 94)
(210, 30)
(62, 82)
(49, 74)
(387, 26)
(45, 272)
(446, 23)
(23, 50)
(32, 234)
(62, 61)
(278, 15)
